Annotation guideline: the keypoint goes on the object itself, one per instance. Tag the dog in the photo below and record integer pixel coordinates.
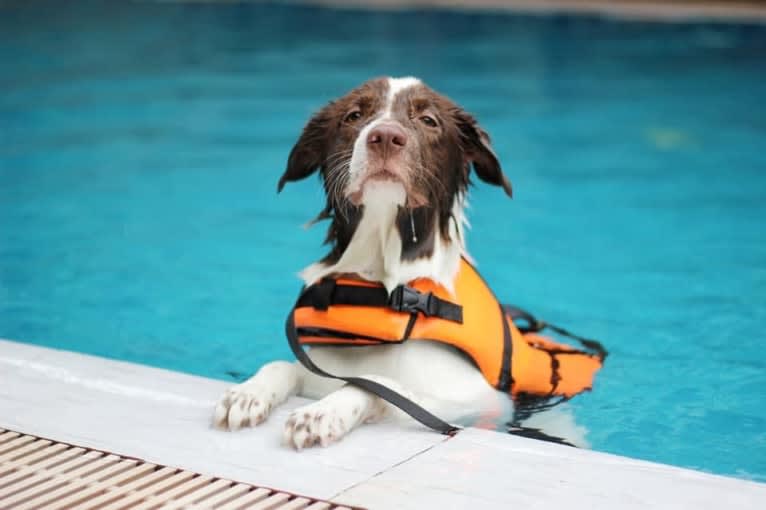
(396, 160)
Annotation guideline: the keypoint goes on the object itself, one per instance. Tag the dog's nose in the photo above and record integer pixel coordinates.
(387, 138)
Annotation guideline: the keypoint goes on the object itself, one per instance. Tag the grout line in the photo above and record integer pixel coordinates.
(392, 466)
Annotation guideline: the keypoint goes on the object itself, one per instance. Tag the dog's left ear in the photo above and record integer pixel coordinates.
(478, 151)
(308, 153)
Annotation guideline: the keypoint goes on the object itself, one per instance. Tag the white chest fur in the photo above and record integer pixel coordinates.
(374, 252)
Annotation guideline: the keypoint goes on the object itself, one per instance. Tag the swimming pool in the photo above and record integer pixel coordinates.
(141, 143)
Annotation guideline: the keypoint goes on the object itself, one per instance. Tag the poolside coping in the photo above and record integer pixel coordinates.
(163, 417)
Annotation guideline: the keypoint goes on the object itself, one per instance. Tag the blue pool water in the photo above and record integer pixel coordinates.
(140, 145)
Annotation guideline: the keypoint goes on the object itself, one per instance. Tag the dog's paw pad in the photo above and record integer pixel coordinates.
(243, 406)
(313, 425)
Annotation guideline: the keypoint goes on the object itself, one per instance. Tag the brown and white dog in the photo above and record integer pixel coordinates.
(395, 158)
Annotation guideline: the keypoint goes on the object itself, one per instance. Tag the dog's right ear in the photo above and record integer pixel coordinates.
(308, 154)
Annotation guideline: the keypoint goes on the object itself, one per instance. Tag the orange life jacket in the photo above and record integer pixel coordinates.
(512, 358)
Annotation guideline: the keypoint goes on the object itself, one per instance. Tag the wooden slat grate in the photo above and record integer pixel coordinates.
(41, 474)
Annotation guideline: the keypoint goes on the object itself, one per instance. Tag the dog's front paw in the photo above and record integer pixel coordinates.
(316, 424)
(244, 405)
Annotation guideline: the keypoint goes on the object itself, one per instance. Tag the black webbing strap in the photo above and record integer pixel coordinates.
(387, 394)
(403, 299)
(534, 325)
(505, 381)
(534, 433)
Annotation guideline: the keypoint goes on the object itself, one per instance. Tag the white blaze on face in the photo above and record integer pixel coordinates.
(396, 85)
(359, 157)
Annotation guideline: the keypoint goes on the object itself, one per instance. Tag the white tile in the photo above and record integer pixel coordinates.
(164, 417)
(482, 469)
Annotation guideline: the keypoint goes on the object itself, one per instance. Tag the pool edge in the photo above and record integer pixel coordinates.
(142, 411)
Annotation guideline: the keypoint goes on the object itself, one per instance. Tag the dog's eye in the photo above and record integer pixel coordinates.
(353, 116)
(428, 121)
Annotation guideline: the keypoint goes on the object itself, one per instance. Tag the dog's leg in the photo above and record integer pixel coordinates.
(249, 403)
(328, 420)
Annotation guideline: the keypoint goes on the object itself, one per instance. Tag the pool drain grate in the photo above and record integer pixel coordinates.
(37, 473)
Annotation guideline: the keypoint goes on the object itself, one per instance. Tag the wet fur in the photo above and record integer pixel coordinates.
(371, 236)
(325, 145)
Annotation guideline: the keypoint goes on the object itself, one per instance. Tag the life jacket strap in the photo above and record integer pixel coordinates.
(403, 298)
(535, 433)
(408, 406)
(534, 325)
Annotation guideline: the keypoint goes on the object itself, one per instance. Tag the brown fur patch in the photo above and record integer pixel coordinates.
(440, 157)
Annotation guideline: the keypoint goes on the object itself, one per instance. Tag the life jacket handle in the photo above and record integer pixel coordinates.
(534, 325)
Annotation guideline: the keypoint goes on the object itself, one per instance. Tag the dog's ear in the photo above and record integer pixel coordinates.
(478, 151)
(308, 153)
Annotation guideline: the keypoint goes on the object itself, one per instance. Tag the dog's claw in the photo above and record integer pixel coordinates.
(242, 406)
(313, 425)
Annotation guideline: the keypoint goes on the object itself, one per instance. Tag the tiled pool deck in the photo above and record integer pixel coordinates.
(164, 417)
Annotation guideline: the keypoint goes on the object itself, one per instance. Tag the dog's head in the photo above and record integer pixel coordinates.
(394, 142)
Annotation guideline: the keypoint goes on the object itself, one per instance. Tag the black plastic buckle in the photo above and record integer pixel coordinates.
(407, 299)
